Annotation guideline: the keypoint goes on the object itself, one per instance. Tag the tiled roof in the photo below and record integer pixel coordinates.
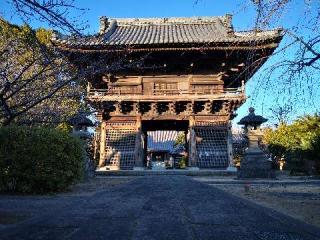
(162, 140)
(81, 119)
(156, 31)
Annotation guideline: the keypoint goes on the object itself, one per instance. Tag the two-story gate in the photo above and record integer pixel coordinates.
(186, 73)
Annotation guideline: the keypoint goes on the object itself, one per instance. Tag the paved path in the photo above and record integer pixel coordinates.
(161, 207)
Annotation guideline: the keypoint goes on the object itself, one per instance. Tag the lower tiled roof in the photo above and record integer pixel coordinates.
(162, 140)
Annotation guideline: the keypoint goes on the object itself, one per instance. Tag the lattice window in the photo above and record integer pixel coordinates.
(120, 147)
(124, 90)
(122, 124)
(165, 88)
(215, 124)
(206, 89)
(212, 148)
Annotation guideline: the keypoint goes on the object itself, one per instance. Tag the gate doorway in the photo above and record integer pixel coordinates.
(165, 143)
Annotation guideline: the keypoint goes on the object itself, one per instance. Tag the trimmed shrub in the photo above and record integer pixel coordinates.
(39, 160)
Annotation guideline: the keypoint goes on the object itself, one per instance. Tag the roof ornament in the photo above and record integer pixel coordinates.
(55, 35)
(104, 24)
(228, 23)
(111, 28)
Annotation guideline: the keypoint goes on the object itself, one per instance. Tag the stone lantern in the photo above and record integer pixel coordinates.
(255, 163)
(80, 123)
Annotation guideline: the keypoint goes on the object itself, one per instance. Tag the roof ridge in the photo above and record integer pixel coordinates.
(169, 19)
(225, 20)
(105, 22)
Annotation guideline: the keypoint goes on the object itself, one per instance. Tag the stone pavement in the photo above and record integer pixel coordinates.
(257, 181)
(161, 207)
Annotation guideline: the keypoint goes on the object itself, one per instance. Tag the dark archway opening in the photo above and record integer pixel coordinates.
(161, 150)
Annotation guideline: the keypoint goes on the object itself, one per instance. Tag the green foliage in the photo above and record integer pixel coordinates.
(64, 127)
(39, 160)
(180, 139)
(315, 146)
(183, 162)
(297, 142)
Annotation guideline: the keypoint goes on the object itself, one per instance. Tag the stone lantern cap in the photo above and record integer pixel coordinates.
(252, 119)
(81, 119)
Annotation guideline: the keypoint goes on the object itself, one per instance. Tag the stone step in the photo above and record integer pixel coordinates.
(256, 173)
(165, 172)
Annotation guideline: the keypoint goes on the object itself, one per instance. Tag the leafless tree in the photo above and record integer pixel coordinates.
(38, 83)
(57, 14)
(31, 72)
(34, 78)
(295, 69)
(280, 113)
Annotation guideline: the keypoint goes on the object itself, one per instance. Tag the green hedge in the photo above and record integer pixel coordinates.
(39, 160)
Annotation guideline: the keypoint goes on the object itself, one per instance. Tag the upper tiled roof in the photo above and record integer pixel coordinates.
(157, 31)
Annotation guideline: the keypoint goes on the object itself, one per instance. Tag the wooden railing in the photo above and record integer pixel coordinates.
(163, 92)
(114, 91)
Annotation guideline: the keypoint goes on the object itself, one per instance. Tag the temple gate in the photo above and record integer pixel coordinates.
(164, 73)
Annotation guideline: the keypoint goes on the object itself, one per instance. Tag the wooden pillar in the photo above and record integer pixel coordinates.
(229, 145)
(138, 151)
(186, 145)
(95, 146)
(103, 136)
(145, 147)
(192, 143)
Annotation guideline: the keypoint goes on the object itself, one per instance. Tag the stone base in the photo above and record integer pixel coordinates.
(193, 169)
(138, 168)
(232, 169)
(112, 168)
(255, 164)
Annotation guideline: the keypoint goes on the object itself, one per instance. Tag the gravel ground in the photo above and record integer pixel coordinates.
(301, 201)
(96, 184)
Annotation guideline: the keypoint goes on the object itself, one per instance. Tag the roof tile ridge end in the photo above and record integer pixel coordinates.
(227, 22)
(111, 28)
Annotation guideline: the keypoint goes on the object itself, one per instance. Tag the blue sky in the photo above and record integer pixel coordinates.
(263, 94)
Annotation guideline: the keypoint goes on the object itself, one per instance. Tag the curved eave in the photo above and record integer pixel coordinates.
(266, 43)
